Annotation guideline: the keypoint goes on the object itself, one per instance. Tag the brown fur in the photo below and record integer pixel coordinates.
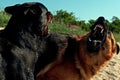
(79, 64)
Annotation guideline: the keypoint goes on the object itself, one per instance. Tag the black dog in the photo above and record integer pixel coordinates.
(22, 41)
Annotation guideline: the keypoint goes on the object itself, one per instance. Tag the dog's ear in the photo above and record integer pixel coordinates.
(49, 17)
(20, 8)
(12, 9)
(115, 46)
(118, 48)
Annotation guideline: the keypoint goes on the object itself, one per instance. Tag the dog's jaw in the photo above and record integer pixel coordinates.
(97, 36)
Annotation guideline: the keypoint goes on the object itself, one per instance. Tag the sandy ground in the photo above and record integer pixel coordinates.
(1, 28)
(111, 71)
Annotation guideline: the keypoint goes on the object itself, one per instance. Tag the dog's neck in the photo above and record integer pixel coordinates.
(82, 70)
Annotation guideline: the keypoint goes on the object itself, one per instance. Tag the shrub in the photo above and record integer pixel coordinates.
(4, 17)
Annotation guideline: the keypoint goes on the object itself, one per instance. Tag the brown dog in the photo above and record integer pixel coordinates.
(84, 55)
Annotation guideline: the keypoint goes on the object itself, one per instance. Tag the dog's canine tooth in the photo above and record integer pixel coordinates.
(102, 30)
(90, 39)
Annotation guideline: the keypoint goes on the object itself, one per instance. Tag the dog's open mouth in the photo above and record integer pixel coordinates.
(96, 38)
(97, 34)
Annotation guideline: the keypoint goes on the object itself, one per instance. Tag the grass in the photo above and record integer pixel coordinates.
(58, 28)
(117, 36)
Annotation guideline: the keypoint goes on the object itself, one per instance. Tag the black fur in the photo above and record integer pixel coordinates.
(55, 44)
(22, 41)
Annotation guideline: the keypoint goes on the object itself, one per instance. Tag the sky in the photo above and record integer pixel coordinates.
(82, 9)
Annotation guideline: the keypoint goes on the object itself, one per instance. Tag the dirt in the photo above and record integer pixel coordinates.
(110, 71)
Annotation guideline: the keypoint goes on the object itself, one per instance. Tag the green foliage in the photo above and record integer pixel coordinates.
(115, 25)
(4, 17)
(62, 19)
(61, 28)
(117, 36)
(84, 26)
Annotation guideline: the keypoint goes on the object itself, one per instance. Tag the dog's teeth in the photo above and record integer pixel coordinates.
(95, 28)
(102, 30)
(90, 39)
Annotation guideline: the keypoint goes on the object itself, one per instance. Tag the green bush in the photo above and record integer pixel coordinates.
(61, 28)
(117, 36)
(4, 17)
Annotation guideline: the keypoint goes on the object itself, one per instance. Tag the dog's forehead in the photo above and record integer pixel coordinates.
(35, 4)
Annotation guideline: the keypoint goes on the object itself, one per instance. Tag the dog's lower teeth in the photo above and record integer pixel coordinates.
(102, 31)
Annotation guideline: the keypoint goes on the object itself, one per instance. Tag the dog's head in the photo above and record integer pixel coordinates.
(98, 31)
(98, 35)
(32, 16)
